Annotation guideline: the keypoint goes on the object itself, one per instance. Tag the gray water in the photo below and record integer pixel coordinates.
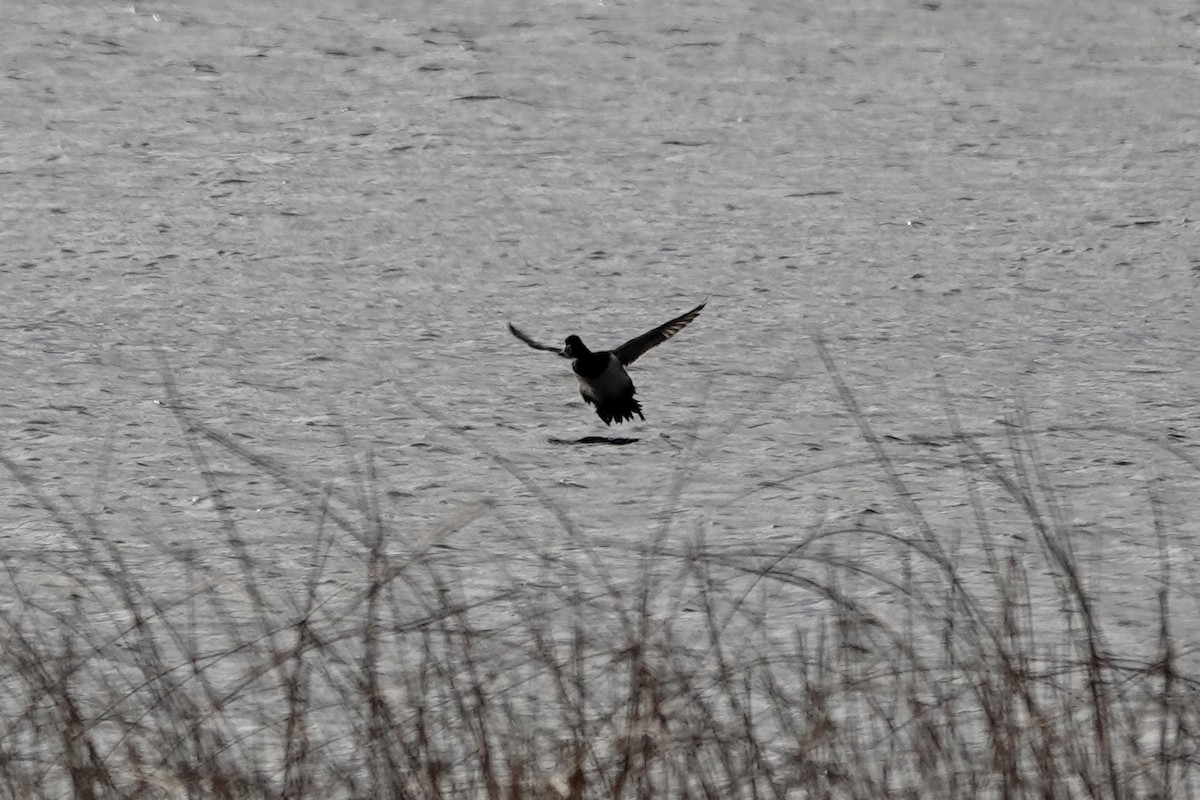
(317, 221)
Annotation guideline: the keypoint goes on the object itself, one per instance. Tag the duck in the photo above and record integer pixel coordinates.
(601, 375)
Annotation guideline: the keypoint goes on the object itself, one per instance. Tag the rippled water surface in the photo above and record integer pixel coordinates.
(317, 221)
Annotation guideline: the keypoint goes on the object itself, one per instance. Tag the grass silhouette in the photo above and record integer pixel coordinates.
(400, 686)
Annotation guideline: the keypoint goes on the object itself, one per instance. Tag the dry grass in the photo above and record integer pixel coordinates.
(408, 687)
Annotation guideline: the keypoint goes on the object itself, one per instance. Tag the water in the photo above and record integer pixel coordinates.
(318, 221)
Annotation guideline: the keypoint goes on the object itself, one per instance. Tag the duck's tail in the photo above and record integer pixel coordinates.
(620, 410)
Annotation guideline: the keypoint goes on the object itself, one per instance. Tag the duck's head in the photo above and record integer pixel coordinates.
(575, 348)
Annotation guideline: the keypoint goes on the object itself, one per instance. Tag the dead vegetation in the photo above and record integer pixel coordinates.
(405, 688)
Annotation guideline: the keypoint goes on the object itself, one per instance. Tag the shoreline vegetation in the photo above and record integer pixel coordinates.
(407, 685)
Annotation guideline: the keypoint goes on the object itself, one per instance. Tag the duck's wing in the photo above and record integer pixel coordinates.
(632, 350)
(536, 345)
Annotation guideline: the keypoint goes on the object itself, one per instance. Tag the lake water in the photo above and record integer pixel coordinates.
(317, 222)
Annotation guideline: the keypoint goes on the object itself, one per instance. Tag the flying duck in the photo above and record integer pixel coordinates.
(602, 378)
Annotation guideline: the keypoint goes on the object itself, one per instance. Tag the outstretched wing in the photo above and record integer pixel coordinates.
(632, 350)
(536, 345)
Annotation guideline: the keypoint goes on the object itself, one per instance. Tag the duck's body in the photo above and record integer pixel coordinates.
(603, 381)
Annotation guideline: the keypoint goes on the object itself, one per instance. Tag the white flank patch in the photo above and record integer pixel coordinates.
(611, 383)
